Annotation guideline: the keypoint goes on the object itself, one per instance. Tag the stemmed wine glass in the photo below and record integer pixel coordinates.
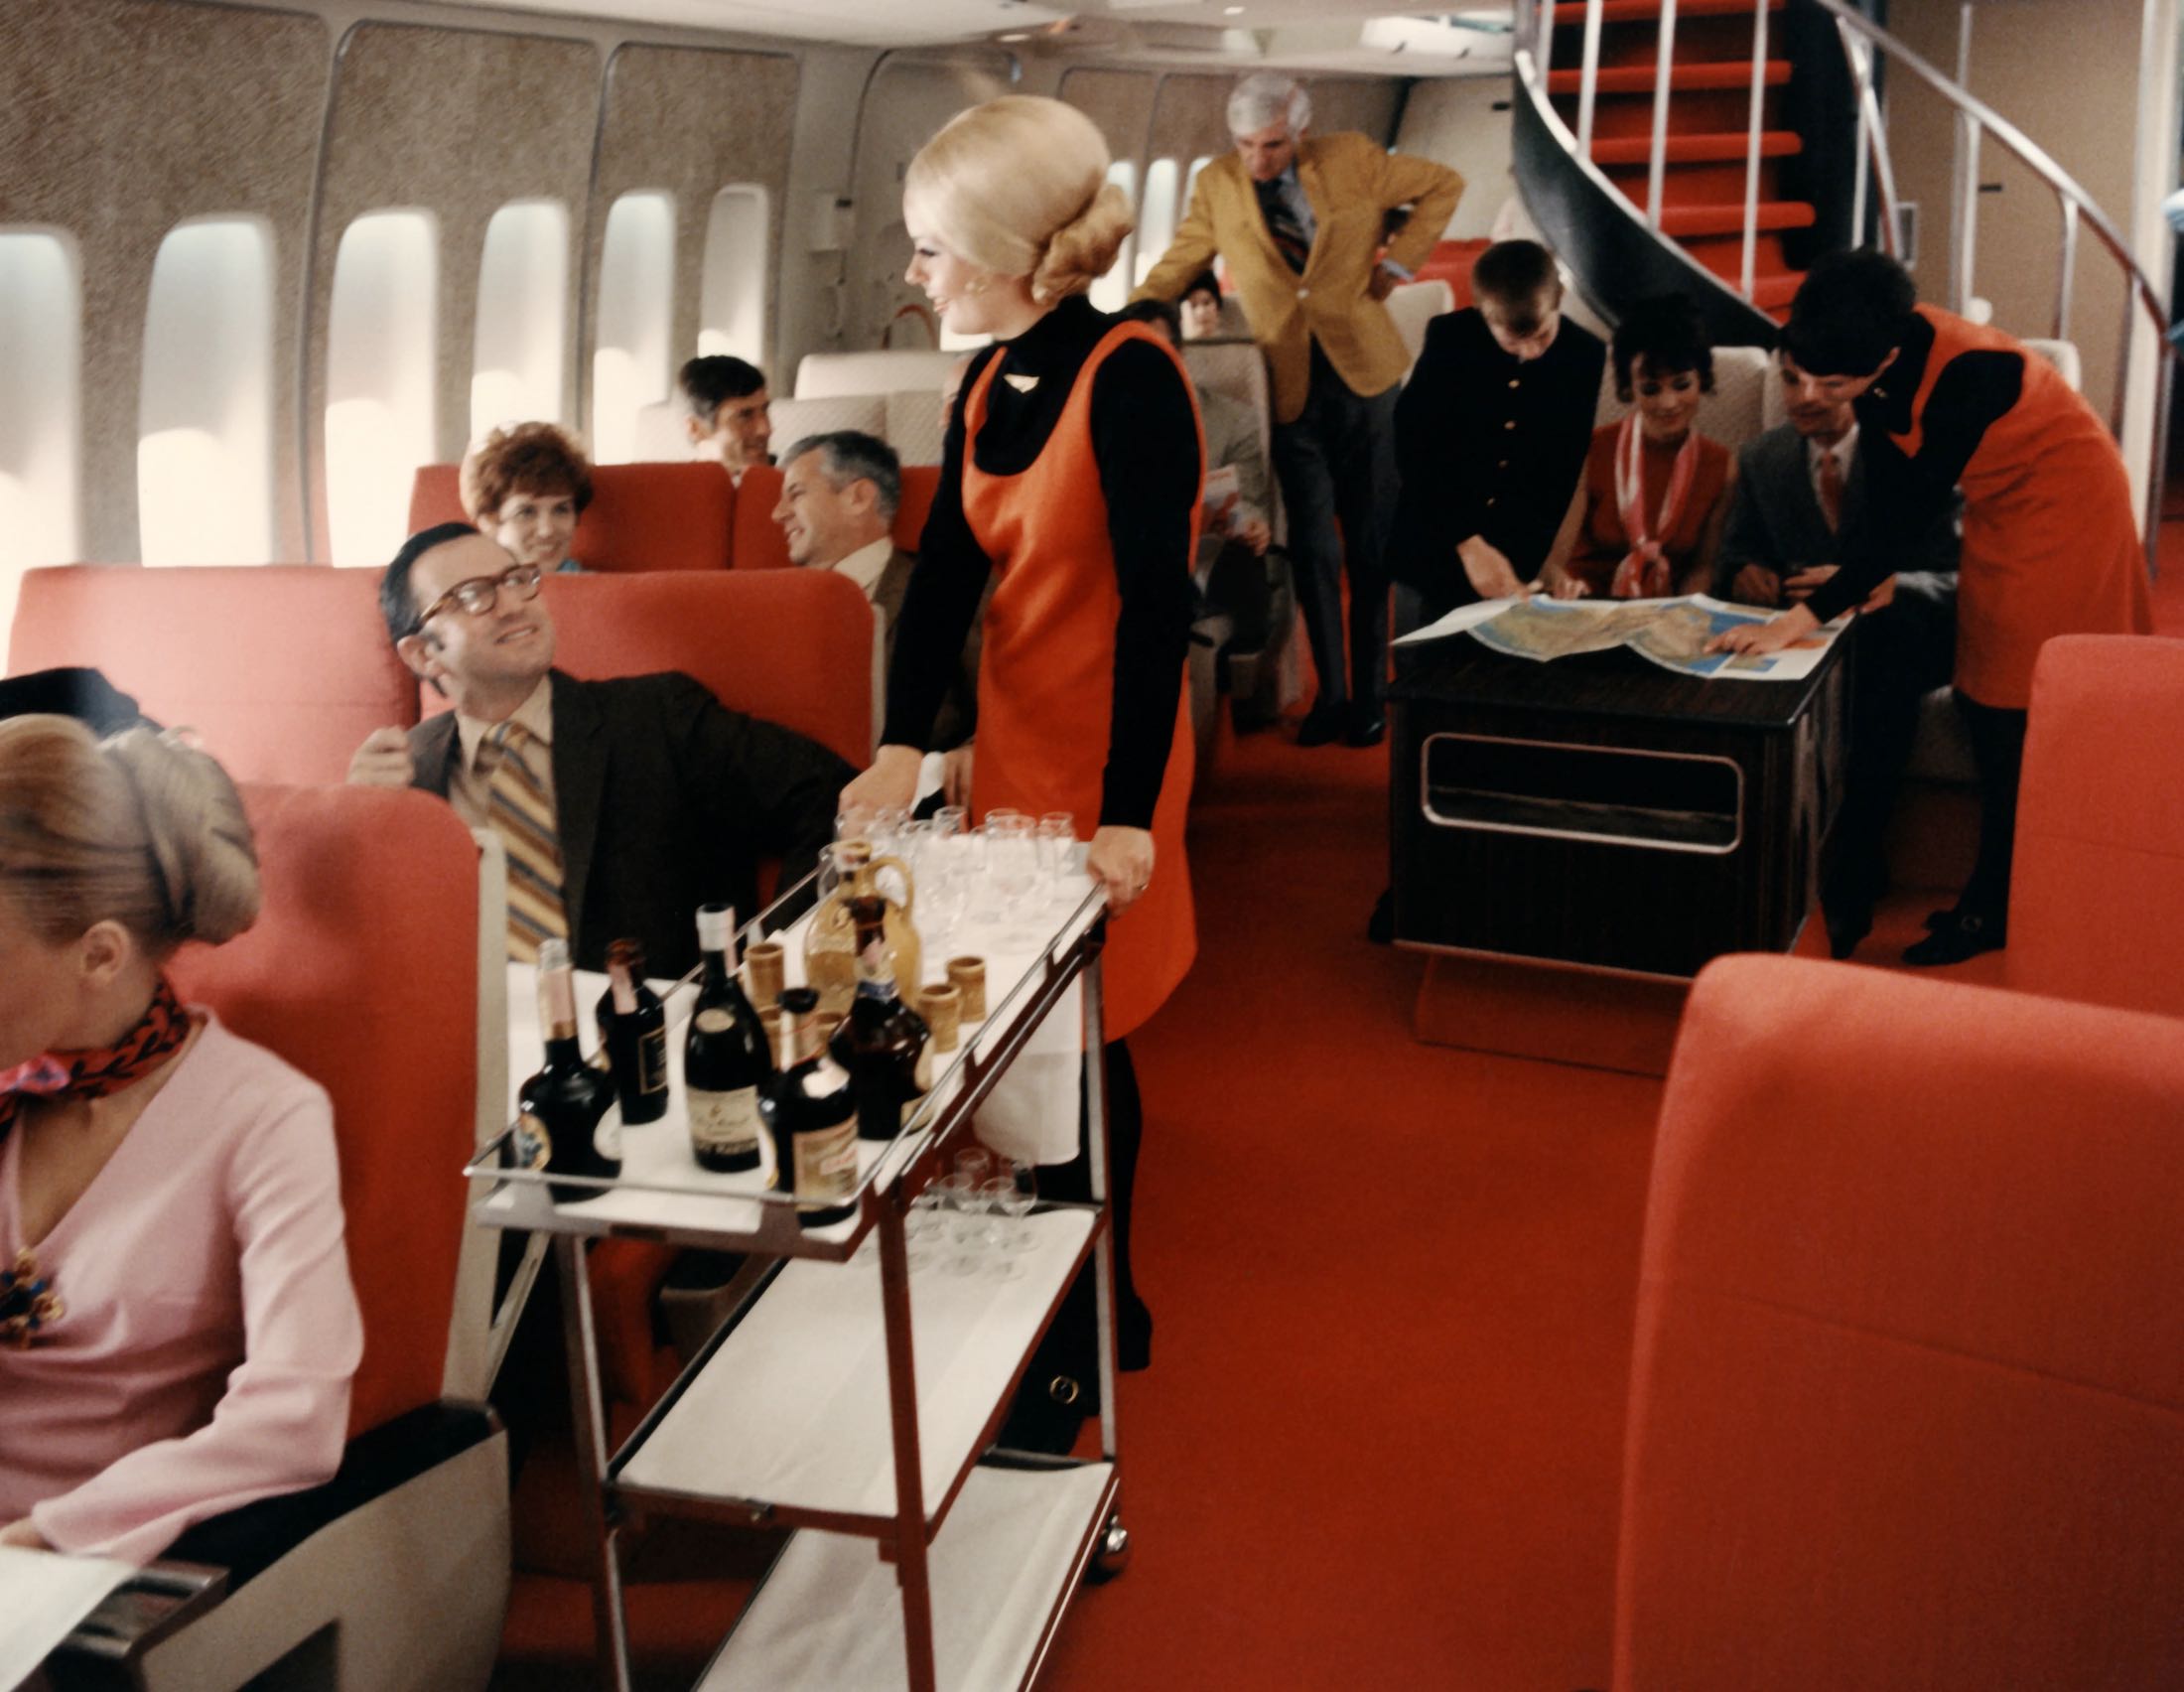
(1012, 863)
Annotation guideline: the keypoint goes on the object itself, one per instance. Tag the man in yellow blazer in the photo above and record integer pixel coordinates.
(1300, 220)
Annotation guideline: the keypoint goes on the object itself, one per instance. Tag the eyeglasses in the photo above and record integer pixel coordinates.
(481, 594)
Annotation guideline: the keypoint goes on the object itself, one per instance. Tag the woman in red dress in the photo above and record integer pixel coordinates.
(1071, 470)
(1656, 490)
(2050, 541)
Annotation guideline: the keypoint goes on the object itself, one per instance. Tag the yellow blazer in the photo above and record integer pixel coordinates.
(1352, 183)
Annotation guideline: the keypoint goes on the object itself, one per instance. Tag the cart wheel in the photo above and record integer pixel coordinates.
(1112, 1556)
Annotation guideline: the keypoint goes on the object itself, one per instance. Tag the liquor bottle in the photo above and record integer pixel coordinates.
(882, 1040)
(725, 1059)
(632, 1026)
(566, 1121)
(811, 1117)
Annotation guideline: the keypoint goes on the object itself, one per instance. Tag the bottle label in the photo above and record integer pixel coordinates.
(724, 1121)
(529, 1148)
(653, 1062)
(607, 1137)
(826, 1163)
(713, 1020)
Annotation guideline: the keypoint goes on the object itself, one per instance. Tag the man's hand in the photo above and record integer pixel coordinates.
(383, 760)
(1798, 586)
(955, 775)
(1772, 636)
(1488, 569)
(1382, 282)
(24, 1534)
(1256, 534)
(1120, 860)
(890, 785)
(1755, 583)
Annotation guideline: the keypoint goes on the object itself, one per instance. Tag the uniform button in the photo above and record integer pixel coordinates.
(1511, 424)
(1504, 465)
(1303, 293)
(1491, 497)
(1512, 381)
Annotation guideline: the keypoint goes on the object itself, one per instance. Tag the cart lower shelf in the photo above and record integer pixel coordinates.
(1002, 1569)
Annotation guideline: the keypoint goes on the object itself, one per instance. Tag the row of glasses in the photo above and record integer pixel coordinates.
(1010, 872)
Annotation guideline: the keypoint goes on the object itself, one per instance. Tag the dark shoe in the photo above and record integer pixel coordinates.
(1368, 726)
(1939, 920)
(1321, 724)
(1380, 926)
(1965, 935)
(1845, 931)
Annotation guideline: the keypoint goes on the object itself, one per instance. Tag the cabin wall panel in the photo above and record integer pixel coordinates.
(1190, 117)
(458, 124)
(1454, 121)
(693, 121)
(811, 303)
(1121, 103)
(909, 96)
(118, 120)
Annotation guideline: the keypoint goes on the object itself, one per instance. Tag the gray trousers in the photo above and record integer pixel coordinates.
(1337, 463)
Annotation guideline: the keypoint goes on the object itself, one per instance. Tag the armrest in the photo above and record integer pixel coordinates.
(249, 1540)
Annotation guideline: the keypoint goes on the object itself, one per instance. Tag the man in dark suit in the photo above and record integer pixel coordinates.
(840, 493)
(1797, 487)
(624, 804)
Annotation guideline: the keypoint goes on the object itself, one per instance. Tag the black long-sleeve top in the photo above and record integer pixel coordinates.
(1489, 446)
(1145, 436)
(1907, 493)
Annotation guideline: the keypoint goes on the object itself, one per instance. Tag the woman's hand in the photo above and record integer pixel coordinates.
(24, 1534)
(1557, 582)
(1120, 861)
(1487, 568)
(955, 775)
(891, 782)
(1771, 635)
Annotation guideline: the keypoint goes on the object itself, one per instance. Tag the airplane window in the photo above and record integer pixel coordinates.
(204, 411)
(1157, 223)
(522, 315)
(381, 335)
(1190, 181)
(41, 336)
(732, 304)
(629, 364)
(1112, 291)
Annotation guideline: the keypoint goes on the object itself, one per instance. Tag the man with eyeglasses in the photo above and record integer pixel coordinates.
(623, 804)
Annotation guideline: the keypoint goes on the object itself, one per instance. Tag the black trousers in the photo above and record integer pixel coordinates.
(1999, 754)
(1336, 463)
(1902, 654)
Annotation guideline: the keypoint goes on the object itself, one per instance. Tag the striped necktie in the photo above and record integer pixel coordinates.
(1283, 224)
(523, 816)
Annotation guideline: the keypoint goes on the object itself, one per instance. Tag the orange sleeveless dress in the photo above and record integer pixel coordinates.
(1047, 674)
(2050, 539)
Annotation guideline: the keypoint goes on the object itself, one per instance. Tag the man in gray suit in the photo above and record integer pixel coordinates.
(1798, 485)
(840, 493)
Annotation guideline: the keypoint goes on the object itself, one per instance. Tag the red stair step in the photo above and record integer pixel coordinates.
(1571, 14)
(1638, 78)
(1723, 148)
(1730, 220)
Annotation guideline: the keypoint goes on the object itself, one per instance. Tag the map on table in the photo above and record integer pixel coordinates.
(1672, 632)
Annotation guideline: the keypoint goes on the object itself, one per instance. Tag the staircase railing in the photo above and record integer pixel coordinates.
(1863, 42)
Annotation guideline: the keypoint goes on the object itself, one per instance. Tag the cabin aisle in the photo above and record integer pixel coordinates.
(1393, 1283)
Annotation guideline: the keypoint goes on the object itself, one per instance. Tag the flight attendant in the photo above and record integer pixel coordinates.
(1071, 470)
(2050, 544)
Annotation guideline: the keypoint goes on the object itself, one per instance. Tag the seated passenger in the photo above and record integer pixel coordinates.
(1656, 490)
(1799, 486)
(730, 419)
(1491, 434)
(1200, 306)
(177, 1326)
(624, 804)
(526, 487)
(838, 496)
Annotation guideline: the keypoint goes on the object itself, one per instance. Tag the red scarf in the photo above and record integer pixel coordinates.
(1644, 572)
(157, 1036)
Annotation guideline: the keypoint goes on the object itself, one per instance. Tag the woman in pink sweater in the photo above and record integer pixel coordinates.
(177, 1326)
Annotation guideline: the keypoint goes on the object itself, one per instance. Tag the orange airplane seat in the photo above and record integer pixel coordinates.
(281, 669)
(642, 516)
(2097, 888)
(361, 970)
(1907, 1403)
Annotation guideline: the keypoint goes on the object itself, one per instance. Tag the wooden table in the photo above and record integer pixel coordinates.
(1603, 813)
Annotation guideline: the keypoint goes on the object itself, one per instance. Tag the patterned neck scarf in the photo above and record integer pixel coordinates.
(1644, 571)
(157, 1036)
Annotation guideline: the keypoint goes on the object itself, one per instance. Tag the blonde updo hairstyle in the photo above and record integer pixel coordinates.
(138, 829)
(1019, 187)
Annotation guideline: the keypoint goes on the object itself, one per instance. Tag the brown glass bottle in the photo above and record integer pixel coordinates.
(632, 1027)
(726, 1063)
(882, 1040)
(811, 1118)
(567, 1122)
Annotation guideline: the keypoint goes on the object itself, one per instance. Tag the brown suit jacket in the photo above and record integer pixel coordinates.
(1352, 184)
(958, 719)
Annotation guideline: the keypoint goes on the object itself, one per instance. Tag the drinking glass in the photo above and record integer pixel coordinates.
(967, 1223)
(1011, 865)
(951, 820)
(943, 894)
(997, 1196)
(1018, 1202)
(1057, 843)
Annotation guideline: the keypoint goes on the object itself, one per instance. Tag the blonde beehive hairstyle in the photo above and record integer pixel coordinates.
(1019, 187)
(138, 829)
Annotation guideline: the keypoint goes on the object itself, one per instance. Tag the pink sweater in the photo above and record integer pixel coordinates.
(204, 1356)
